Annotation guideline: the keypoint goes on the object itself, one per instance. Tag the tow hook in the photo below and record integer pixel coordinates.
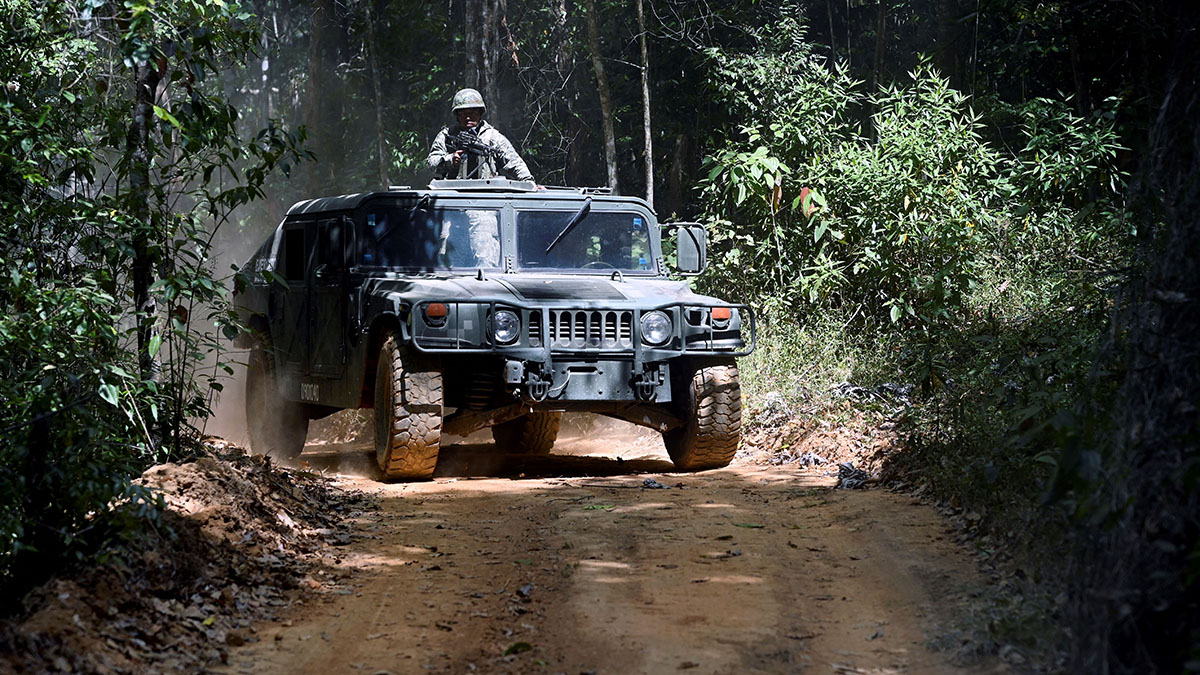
(646, 383)
(537, 385)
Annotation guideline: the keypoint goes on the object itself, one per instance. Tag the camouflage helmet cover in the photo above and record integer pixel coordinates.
(467, 98)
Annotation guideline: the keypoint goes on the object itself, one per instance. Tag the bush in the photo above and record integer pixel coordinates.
(822, 214)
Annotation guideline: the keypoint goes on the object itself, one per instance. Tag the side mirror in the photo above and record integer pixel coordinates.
(691, 248)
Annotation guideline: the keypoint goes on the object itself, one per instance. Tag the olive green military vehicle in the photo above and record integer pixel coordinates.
(486, 303)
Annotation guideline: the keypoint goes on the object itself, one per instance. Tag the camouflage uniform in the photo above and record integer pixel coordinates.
(441, 160)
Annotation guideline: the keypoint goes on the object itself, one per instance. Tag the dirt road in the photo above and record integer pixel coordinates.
(571, 564)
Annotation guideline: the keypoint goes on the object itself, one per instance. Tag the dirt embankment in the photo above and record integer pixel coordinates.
(598, 559)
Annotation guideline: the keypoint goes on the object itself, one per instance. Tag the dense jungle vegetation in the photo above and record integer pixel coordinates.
(993, 201)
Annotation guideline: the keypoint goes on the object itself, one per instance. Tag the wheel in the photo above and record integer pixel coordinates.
(534, 433)
(277, 426)
(408, 413)
(709, 398)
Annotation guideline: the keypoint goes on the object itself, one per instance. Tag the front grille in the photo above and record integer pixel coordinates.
(589, 329)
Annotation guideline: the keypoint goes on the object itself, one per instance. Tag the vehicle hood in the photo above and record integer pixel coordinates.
(543, 290)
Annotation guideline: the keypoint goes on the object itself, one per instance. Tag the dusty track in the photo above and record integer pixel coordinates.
(572, 566)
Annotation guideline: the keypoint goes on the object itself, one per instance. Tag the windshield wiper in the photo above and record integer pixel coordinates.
(421, 203)
(575, 220)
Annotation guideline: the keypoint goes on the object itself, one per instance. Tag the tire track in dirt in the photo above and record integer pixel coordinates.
(746, 569)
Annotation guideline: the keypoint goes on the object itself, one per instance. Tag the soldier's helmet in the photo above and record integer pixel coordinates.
(467, 98)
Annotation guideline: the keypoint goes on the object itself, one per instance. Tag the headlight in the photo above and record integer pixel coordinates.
(506, 327)
(656, 328)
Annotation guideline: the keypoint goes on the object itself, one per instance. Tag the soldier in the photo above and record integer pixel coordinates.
(490, 154)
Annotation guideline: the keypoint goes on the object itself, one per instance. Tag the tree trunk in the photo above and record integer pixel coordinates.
(577, 164)
(676, 179)
(570, 129)
(380, 145)
(1083, 96)
(487, 58)
(606, 106)
(880, 24)
(647, 138)
(949, 29)
(321, 93)
(506, 52)
(137, 148)
(471, 71)
(832, 35)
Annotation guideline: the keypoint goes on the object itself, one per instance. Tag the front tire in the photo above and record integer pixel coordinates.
(408, 413)
(277, 427)
(532, 434)
(709, 396)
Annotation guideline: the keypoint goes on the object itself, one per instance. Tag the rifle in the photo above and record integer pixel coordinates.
(469, 141)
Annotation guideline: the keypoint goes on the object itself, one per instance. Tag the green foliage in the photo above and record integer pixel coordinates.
(826, 216)
(86, 201)
(1068, 204)
(890, 220)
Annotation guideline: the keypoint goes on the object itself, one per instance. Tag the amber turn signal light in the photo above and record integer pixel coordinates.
(721, 313)
(436, 310)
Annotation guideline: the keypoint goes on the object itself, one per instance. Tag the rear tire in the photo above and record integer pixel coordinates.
(408, 413)
(709, 396)
(532, 434)
(277, 427)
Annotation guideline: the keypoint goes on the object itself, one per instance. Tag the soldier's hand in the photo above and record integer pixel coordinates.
(457, 157)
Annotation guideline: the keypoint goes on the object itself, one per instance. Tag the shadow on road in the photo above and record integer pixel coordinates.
(469, 460)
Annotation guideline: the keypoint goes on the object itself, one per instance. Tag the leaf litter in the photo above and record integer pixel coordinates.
(237, 539)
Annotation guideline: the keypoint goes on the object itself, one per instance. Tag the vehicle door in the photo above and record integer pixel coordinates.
(329, 303)
(288, 303)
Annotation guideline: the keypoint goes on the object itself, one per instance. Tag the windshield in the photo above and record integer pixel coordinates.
(426, 238)
(602, 240)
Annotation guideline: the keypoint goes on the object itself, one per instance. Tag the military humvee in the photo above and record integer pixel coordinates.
(486, 303)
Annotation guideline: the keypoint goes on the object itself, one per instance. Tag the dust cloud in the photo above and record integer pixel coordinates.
(587, 434)
(344, 443)
(231, 248)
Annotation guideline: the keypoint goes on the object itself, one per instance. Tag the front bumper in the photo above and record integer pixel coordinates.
(549, 333)
(565, 353)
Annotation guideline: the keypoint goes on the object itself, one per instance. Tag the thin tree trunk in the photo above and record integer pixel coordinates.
(319, 94)
(606, 107)
(577, 164)
(471, 43)
(380, 145)
(1083, 97)
(487, 58)
(832, 35)
(506, 53)
(849, 44)
(570, 130)
(880, 22)
(676, 179)
(146, 80)
(948, 32)
(647, 140)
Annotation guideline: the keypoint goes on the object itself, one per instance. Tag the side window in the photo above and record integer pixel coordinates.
(294, 252)
(331, 244)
